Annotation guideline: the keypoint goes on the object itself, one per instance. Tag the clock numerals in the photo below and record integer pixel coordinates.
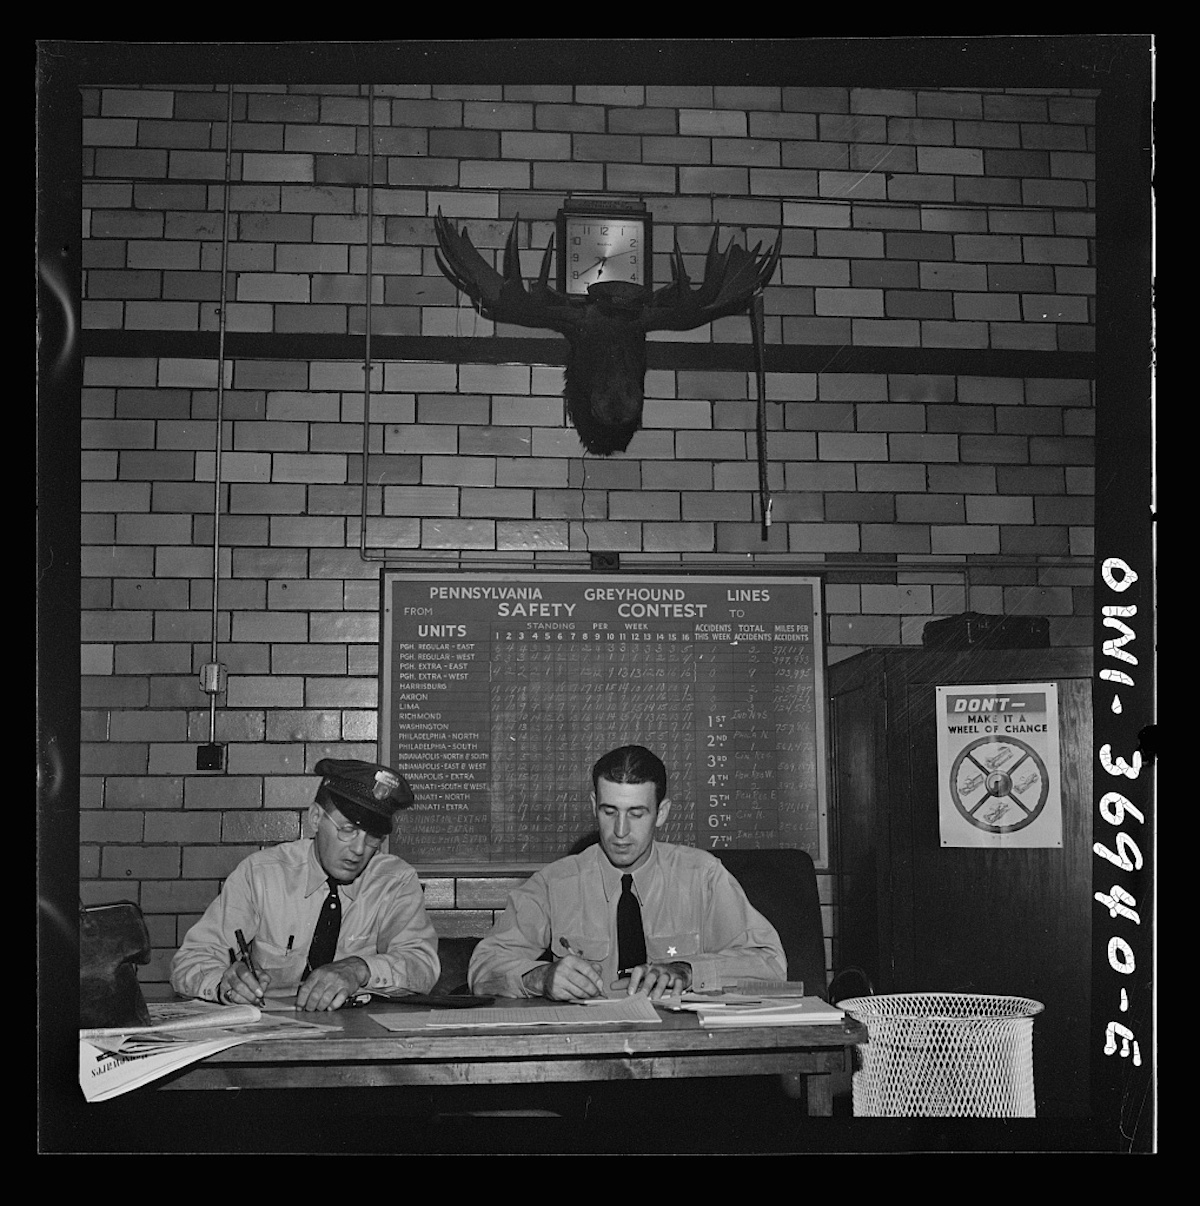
(599, 251)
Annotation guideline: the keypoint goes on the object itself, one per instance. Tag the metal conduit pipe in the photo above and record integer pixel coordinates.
(212, 675)
(774, 563)
(362, 529)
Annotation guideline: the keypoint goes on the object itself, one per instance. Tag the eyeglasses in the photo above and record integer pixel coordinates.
(350, 833)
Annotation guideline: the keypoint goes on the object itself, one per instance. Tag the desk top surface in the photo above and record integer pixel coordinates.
(359, 1038)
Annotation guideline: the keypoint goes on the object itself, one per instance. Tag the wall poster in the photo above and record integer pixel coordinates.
(998, 766)
(499, 692)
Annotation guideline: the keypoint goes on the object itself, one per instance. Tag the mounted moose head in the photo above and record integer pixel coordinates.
(606, 331)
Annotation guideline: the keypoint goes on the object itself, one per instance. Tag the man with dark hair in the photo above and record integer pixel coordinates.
(326, 915)
(629, 913)
(632, 764)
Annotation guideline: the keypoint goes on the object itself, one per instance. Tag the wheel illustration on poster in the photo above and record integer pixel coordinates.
(999, 784)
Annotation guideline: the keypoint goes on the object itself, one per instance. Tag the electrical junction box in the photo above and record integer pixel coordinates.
(210, 757)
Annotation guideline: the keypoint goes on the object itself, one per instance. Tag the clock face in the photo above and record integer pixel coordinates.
(603, 248)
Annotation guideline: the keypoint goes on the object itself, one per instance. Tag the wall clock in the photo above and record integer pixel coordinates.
(602, 240)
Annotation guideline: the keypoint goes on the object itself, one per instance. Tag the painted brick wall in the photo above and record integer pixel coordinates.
(931, 403)
(911, 219)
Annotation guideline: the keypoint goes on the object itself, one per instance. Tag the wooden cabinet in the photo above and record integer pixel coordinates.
(917, 916)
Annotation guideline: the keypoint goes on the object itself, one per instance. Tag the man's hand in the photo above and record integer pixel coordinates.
(658, 979)
(570, 978)
(242, 985)
(329, 986)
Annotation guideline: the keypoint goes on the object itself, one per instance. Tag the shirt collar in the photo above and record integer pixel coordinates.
(317, 877)
(610, 876)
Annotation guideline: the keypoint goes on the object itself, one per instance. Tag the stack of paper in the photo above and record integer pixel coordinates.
(767, 988)
(796, 1011)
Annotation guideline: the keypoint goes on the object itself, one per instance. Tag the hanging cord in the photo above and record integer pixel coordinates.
(362, 531)
(212, 677)
(760, 381)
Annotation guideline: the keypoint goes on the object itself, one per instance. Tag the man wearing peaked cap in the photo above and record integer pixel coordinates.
(321, 917)
(367, 795)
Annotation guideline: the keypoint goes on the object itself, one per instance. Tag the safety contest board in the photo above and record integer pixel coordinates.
(499, 692)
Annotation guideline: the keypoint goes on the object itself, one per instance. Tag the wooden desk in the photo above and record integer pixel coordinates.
(364, 1053)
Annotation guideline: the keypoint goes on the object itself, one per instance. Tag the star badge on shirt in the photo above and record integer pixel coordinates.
(670, 951)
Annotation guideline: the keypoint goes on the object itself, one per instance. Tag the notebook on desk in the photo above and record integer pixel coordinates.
(765, 988)
(798, 1011)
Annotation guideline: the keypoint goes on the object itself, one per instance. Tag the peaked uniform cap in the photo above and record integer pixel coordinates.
(365, 793)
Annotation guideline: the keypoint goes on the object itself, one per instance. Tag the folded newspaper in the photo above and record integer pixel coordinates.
(114, 1061)
(183, 1015)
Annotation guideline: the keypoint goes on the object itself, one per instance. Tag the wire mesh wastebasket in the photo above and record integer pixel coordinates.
(947, 1055)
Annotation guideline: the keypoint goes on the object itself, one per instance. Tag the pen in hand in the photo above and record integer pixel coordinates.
(582, 980)
(241, 940)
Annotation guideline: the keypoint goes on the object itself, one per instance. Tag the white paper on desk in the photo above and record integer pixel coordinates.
(629, 1009)
(406, 1019)
(274, 1028)
(799, 1011)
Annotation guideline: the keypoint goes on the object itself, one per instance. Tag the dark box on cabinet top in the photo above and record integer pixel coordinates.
(973, 630)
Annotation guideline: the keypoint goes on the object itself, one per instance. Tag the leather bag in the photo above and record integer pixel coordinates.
(112, 939)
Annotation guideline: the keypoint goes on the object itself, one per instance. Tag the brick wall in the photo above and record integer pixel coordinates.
(930, 332)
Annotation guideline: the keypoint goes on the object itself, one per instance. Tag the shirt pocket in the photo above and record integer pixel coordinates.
(663, 948)
(595, 947)
(285, 966)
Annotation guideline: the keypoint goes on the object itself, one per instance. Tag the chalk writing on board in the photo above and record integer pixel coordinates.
(500, 691)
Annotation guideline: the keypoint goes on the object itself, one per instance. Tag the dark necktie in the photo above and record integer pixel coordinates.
(631, 938)
(325, 935)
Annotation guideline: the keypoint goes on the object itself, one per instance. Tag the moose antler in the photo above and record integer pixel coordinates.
(606, 331)
(731, 278)
(503, 298)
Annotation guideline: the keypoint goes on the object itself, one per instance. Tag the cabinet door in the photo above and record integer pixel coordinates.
(864, 900)
(1014, 922)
